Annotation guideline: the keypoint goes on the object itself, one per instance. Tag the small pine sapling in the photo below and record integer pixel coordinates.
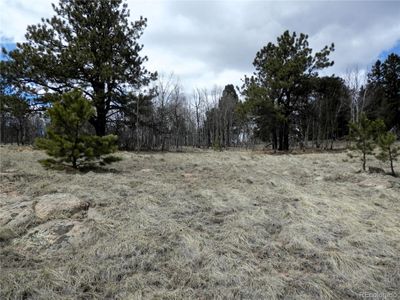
(68, 139)
(388, 150)
(364, 133)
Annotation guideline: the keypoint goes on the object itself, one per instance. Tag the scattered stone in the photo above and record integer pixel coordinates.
(273, 183)
(273, 228)
(375, 183)
(380, 205)
(249, 181)
(56, 206)
(207, 169)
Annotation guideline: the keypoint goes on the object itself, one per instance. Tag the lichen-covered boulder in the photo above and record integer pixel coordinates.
(58, 206)
(55, 236)
(16, 217)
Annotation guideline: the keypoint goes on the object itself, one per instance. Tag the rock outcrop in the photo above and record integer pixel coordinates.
(58, 206)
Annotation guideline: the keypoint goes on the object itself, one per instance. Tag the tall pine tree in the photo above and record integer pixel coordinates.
(283, 73)
(383, 91)
(87, 44)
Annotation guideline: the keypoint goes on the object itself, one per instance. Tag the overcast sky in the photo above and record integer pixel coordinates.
(209, 43)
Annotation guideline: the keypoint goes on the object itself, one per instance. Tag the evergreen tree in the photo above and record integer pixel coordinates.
(283, 71)
(68, 138)
(364, 133)
(328, 109)
(388, 150)
(89, 45)
(262, 111)
(14, 111)
(383, 91)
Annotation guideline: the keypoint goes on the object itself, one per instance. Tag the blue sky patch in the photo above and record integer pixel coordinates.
(396, 49)
(9, 46)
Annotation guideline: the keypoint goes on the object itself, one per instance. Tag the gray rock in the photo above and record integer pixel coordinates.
(55, 236)
(17, 217)
(58, 206)
(376, 183)
(249, 180)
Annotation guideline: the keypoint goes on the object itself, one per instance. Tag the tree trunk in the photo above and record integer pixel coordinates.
(286, 136)
(364, 161)
(391, 162)
(162, 143)
(274, 140)
(306, 135)
(137, 125)
(280, 137)
(100, 120)
(74, 165)
(18, 134)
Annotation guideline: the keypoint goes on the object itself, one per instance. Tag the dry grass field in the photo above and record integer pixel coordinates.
(200, 225)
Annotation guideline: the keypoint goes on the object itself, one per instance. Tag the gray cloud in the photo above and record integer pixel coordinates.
(215, 42)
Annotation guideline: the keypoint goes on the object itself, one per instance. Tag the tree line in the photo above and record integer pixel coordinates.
(92, 47)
